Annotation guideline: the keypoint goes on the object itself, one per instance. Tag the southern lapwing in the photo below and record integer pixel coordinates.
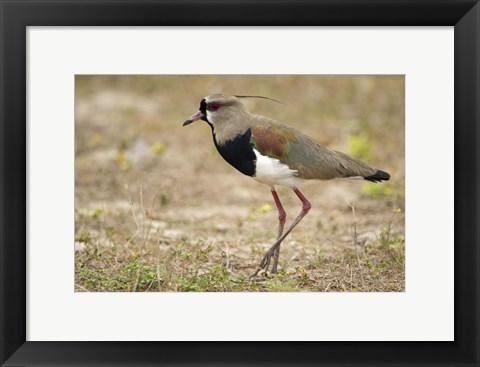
(275, 154)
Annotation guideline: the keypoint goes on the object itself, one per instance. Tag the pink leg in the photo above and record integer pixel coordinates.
(305, 209)
(282, 216)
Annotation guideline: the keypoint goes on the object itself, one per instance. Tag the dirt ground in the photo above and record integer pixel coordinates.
(158, 209)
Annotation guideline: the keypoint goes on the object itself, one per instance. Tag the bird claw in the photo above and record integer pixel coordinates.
(255, 274)
(264, 264)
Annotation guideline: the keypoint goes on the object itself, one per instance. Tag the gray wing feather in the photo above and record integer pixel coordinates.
(314, 161)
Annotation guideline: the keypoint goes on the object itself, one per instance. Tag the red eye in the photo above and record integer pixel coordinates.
(214, 106)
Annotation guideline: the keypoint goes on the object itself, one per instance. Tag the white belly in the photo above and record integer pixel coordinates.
(271, 171)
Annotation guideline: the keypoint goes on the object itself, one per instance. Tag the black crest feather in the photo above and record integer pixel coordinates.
(262, 97)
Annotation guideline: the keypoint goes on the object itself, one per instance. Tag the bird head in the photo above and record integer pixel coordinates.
(218, 108)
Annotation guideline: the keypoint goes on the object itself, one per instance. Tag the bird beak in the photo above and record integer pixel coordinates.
(196, 116)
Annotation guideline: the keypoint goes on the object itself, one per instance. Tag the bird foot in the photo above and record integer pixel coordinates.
(264, 264)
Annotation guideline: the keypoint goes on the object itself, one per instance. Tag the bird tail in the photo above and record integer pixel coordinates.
(378, 176)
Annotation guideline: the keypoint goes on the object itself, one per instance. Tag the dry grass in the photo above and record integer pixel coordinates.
(157, 209)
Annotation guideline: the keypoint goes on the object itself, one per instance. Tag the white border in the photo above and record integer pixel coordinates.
(423, 312)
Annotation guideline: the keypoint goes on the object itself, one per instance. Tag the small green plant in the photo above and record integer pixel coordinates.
(123, 161)
(97, 213)
(376, 190)
(83, 237)
(158, 148)
(278, 283)
(217, 279)
(164, 199)
(318, 257)
(360, 146)
(389, 242)
(263, 209)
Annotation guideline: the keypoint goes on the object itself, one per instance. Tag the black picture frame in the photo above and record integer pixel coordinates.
(17, 15)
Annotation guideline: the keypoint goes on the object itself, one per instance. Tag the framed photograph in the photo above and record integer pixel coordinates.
(296, 179)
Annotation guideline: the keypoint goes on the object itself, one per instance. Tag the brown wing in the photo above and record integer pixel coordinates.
(273, 140)
(302, 153)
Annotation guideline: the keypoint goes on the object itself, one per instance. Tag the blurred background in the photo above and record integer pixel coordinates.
(158, 209)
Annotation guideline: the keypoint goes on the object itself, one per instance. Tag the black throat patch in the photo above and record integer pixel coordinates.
(203, 109)
(239, 153)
